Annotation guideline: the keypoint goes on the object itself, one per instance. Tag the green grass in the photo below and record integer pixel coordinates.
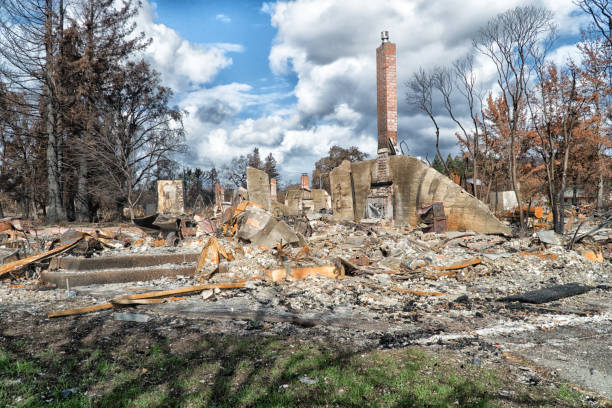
(254, 372)
(568, 395)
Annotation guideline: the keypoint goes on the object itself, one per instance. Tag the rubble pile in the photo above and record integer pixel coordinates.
(372, 268)
(366, 283)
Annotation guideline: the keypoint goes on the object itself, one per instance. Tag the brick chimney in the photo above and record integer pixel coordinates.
(305, 182)
(273, 194)
(386, 92)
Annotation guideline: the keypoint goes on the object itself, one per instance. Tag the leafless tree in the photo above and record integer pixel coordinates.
(467, 87)
(105, 37)
(420, 95)
(30, 38)
(140, 132)
(512, 41)
(235, 172)
(601, 14)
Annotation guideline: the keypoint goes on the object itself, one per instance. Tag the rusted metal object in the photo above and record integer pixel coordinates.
(417, 292)
(160, 223)
(360, 259)
(11, 266)
(433, 215)
(212, 250)
(461, 265)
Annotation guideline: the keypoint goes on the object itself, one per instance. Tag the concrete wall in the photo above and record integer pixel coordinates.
(363, 174)
(293, 202)
(170, 197)
(258, 186)
(415, 184)
(342, 192)
(321, 200)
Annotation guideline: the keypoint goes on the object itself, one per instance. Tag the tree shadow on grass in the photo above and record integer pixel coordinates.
(138, 365)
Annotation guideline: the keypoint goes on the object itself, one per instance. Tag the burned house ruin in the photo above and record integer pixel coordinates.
(394, 187)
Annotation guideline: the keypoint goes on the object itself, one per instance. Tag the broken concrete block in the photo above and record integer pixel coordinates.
(258, 186)
(261, 228)
(279, 232)
(253, 221)
(549, 237)
(342, 192)
(170, 197)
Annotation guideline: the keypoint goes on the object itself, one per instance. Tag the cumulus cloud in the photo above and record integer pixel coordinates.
(183, 64)
(564, 54)
(330, 45)
(223, 18)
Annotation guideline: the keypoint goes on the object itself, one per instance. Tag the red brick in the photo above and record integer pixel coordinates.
(386, 94)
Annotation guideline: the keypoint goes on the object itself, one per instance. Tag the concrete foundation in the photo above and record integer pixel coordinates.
(118, 269)
(123, 261)
(105, 276)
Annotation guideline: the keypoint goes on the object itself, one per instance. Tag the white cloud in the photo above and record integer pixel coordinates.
(223, 18)
(183, 64)
(564, 54)
(330, 45)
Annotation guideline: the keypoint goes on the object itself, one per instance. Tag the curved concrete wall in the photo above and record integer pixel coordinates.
(415, 184)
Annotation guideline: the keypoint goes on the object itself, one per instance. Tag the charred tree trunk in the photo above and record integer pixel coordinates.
(82, 196)
(55, 211)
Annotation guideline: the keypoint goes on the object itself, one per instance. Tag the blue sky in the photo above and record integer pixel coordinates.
(294, 78)
(237, 21)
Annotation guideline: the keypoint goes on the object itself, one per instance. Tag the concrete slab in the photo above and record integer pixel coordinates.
(104, 276)
(125, 261)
